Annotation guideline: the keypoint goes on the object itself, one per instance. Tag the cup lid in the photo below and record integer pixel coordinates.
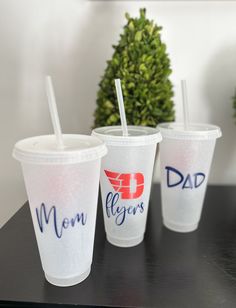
(196, 131)
(137, 135)
(43, 149)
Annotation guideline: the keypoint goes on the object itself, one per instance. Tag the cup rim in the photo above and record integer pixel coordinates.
(143, 135)
(28, 150)
(197, 131)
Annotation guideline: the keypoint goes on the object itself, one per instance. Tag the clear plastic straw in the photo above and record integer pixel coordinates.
(53, 112)
(121, 107)
(185, 104)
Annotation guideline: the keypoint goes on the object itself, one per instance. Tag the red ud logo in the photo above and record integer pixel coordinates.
(130, 185)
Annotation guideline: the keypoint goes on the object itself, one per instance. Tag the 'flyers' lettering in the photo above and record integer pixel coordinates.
(130, 185)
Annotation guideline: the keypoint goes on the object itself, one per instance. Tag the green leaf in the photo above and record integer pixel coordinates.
(142, 67)
(234, 103)
(149, 28)
(138, 36)
(109, 105)
(131, 26)
(143, 13)
(127, 16)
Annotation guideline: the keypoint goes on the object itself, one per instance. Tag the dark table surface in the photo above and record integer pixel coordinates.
(168, 269)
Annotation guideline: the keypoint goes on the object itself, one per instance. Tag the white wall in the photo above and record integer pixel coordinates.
(71, 40)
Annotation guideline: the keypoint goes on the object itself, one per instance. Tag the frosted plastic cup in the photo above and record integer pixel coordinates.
(126, 177)
(62, 188)
(185, 158)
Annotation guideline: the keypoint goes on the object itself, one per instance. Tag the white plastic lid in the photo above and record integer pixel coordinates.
(137, 135)
(43, 149)
(197, 131)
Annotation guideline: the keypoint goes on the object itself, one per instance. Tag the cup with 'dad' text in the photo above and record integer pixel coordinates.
(185, 157)
(126, 177)
(62, 188)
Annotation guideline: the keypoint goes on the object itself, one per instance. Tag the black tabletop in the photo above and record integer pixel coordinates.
(168, 269)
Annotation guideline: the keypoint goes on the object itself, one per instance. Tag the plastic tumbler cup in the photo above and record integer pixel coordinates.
(62, 188)
(126, 177)
(185, 157)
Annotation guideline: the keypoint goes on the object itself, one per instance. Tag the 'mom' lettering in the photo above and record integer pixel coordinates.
(188, 181)
(45, 217)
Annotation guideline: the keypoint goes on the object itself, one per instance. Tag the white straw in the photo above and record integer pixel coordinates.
(185, 104)
(53, 112)
(121, 107)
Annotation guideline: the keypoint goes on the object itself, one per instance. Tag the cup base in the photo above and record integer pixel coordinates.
(124, 242)
(67, 282)
(180, 228)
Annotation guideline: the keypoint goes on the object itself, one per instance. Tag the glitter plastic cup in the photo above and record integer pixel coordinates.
(126, 178)
(62, 188)
(185, 157)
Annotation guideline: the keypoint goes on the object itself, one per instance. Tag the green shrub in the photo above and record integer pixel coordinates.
(141, 62)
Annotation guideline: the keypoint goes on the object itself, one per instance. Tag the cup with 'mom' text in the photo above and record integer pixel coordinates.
(62, 188)
(185, 157)
(126, 177)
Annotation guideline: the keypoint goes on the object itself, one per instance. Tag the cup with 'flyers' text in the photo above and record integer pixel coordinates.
(126, 177)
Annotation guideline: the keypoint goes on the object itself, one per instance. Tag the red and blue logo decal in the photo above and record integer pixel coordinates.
(129, 185)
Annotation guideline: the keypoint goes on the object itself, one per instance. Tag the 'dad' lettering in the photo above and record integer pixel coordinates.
(175, 177)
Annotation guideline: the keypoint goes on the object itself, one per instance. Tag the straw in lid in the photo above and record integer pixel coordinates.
(137, 135)
(44, 150)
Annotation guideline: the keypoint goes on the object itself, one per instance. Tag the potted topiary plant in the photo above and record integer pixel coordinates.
(140, 60)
